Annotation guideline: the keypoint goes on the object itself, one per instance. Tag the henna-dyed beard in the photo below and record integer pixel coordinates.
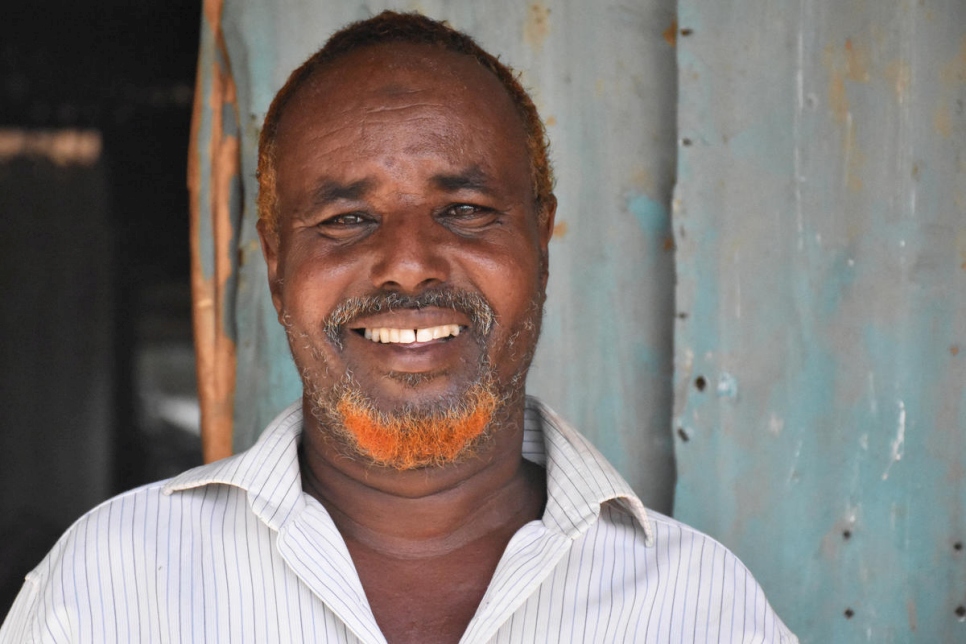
(411, 437)
(444, 431)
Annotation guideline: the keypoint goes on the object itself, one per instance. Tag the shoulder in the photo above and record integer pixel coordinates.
(91, 543)
(99, 570)
(682, 582)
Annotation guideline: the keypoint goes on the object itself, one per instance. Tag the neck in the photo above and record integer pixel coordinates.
(429, 511)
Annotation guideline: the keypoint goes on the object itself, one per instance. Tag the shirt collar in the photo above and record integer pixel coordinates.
(268, 470)
(579, 478)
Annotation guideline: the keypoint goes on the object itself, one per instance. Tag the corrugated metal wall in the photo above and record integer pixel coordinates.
(603, 76)
(820, 376)
(820, 342)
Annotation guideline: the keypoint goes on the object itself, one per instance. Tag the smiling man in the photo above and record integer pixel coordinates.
(414, 494)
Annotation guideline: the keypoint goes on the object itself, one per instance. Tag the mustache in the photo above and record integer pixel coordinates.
(471, 304)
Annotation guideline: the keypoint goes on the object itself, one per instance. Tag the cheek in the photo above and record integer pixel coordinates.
(510, 280)
(312, 284)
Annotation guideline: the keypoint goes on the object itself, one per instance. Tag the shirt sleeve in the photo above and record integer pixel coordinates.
(17, 626)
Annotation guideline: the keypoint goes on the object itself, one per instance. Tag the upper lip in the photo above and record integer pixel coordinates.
(410, 319)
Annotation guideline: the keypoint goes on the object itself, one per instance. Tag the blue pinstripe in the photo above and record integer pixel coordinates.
(239, 552)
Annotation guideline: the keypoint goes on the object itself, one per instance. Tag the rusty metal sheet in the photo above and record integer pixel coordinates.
(604, 78)
(820, 359)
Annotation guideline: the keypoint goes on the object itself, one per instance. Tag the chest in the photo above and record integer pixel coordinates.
(426, 599)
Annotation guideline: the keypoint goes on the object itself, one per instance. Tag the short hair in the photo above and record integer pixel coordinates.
(411, 28)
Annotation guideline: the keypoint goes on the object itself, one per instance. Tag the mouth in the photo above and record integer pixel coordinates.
(410, 335)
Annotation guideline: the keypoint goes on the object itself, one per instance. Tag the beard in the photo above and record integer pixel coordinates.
(410, 437)
(449, 429)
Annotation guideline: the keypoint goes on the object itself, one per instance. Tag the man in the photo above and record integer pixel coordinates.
(414, 494)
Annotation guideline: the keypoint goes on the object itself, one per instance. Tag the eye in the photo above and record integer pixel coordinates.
(348, 219)
(345, 226)
(463, 210)
(468, 217)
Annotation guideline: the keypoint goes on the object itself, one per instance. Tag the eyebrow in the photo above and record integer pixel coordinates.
(472, 178)
(329, 191)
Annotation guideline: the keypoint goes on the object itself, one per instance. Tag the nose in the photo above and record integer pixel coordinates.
(410, 254)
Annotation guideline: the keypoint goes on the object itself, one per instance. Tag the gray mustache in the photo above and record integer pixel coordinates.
(473, 305)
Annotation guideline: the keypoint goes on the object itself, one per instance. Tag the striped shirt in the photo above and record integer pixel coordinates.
(235, 551)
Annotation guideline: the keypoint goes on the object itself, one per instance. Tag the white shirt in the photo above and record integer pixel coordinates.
(235, 551)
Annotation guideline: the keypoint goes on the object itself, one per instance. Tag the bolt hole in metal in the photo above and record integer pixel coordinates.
(683, 434)
(849, 613)
(961, 613)
(687, 31)
(847, 534)
(700, 383)
(958, 546)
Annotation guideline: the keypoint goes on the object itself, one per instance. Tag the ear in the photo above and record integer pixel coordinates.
(269, 239)
(545, 220)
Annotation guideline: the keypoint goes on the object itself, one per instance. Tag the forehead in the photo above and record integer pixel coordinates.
(405, 97)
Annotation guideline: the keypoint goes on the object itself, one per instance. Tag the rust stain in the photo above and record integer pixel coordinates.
(942, 121)
(899, 74)
(955, 70)
(856, 61)
(671, 33)
(913, 617)
(537, 28)
(560, 229)
(838, 100)
(954, 350)
(642, 180)
(848, 64)
(669, 244)
(215, 351)
(854, 159)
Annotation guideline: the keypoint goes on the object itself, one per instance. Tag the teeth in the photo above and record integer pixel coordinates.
(409, 336)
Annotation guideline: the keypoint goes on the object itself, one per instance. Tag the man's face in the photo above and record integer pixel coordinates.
(406, 214)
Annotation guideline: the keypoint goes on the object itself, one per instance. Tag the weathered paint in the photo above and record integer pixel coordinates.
(212, 180)
(603, 77)
(820, 219)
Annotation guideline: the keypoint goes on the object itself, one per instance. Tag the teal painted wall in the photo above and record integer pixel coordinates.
(820, 358)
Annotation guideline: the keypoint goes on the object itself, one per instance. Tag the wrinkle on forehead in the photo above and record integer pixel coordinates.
(403, 101)
(397, 70)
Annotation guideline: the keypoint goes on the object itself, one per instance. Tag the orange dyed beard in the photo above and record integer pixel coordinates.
(417, 438)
